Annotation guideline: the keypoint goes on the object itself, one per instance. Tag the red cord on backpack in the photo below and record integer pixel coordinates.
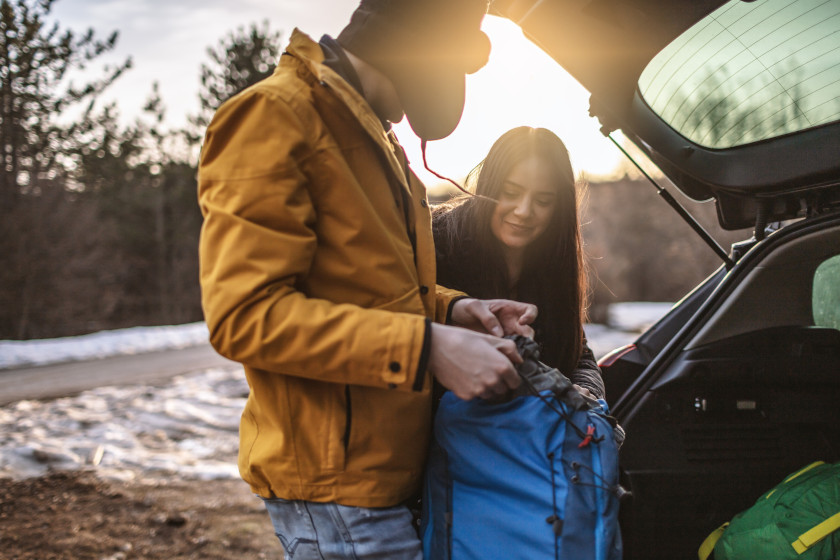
(590, 431)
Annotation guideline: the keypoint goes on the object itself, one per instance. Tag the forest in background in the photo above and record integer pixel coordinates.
(99, 221)
(640, 249)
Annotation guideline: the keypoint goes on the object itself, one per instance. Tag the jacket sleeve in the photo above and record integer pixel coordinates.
(587, 374)
(257, 245)
(446, 298)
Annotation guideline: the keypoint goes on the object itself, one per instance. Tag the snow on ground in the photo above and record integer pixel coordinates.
(636, 316)
(187, 427)
(136, 340)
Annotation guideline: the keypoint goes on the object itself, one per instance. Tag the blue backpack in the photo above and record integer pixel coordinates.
(530, 478)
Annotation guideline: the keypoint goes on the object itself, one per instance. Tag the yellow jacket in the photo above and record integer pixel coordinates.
(310, 279)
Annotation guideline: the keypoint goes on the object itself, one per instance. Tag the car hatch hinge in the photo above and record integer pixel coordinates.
(761, 213)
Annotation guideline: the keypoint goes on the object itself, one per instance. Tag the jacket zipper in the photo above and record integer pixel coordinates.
(348, 410)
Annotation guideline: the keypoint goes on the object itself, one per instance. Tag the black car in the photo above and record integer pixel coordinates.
(739, 385)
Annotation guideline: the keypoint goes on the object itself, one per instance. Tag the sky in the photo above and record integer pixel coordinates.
(521, 85)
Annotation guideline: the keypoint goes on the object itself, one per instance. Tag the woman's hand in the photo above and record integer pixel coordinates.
(499, 317)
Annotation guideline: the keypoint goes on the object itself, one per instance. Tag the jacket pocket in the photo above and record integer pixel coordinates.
(335, 439)
(316, 425)
(348, 414)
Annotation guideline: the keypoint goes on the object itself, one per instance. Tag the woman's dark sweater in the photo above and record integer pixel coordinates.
(457, 269)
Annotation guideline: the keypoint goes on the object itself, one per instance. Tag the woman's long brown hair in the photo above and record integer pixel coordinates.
(554, 274)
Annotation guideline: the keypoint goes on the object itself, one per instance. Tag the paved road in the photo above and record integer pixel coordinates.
(61, 380)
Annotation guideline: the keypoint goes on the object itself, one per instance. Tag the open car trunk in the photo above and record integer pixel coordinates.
(742, 108)
(738, 385)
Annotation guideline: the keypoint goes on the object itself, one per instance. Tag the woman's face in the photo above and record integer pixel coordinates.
(527, 201)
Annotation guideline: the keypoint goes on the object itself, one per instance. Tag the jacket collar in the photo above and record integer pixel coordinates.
(302, 47)
(336, 58)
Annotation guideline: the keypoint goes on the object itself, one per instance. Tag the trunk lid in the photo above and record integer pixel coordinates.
(734, 101)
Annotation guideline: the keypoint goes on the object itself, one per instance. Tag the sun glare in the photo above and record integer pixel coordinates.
(521, 85)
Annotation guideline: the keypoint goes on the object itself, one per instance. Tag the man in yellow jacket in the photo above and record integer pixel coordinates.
(318, 275)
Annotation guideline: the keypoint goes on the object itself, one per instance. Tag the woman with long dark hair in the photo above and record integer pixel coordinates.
(520, 239)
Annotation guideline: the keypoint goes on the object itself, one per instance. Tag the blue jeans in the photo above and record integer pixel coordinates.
(315, 531)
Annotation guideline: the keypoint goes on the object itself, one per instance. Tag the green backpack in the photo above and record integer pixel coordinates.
(798, 519)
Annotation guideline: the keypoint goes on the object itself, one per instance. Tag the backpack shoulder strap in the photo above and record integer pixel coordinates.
(817, 533)
(709, 542)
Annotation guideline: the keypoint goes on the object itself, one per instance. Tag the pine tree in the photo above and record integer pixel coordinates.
(240, 59)
(36, 63)
(42, 210)
(145, 188)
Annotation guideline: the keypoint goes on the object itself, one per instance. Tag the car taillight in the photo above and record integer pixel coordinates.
(615, 355)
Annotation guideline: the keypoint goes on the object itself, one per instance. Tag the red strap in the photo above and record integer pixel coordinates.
(590, 431)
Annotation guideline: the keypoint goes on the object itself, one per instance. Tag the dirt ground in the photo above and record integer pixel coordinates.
(75, 516)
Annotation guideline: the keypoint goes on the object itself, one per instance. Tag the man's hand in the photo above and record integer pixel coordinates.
(499, 317)
(472, 364)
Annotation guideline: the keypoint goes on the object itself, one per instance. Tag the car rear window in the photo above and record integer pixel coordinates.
(825, 300)
(750, 71)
